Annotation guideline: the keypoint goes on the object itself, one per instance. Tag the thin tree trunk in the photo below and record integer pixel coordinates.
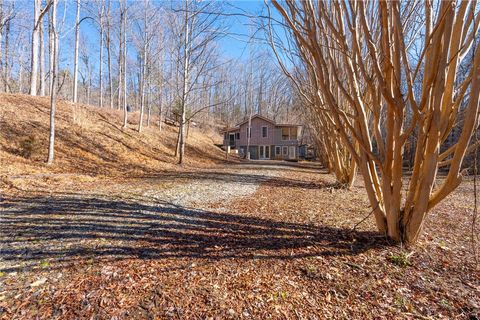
(50, 51)
(185, 87)
(125, 111)
(1, 28)
(120, 61)
(75, 58)
(160, 89)
(53, 89)
(144, 69)
(42, 60)
(109, 58)
(101, 54)
(35, 40)
(149, 108)
(6, 73)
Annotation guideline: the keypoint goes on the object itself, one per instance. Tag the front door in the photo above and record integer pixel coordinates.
(291, 152)
(264, 152)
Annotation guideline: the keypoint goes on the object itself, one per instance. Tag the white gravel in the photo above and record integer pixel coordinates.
(220, 185)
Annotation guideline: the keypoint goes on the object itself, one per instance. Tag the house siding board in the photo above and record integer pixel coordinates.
(257, 139)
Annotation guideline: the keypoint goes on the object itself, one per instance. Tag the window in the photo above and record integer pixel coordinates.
(249, 133)
(237, 135)
(285, 151)
(278, 150)
(264, 132)
(293, 133)
(289, 133)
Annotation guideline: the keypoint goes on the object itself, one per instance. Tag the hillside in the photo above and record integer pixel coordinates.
(90, 141)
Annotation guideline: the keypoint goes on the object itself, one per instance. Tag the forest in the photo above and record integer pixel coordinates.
(159, 159)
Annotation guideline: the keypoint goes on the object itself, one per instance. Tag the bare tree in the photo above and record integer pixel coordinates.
(53, 88)
(144, 62)
(124, 24)
(109, 57)
(199, 28)
(42, 59)
(75, 57)
(101, 22)
(381, 79)
(37, 20)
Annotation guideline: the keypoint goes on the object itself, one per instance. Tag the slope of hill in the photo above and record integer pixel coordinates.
(90, 141)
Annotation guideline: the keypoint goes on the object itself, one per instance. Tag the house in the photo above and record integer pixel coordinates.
(268, 139)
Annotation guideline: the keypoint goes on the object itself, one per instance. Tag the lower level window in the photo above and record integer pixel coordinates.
(277, 150)
(285, 150)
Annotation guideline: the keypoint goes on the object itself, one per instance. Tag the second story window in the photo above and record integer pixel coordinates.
(293, 133)
(289, 133)
(249, 133)
(264, 132)
(237, 135)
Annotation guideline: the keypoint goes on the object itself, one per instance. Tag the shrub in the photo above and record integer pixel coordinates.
(27, 147)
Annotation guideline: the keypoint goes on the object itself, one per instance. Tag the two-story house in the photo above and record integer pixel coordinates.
(268, 140)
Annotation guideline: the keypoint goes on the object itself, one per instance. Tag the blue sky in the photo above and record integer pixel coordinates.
(233, 45)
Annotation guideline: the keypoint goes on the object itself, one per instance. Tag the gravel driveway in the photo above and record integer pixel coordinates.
(116, 219)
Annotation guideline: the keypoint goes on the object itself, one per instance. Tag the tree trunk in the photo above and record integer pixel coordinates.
(50, 50)
(109, 57)
(120, 57)
(185, 87)
(75, 58)
(42, 60)
(101, 54)
(35, 43)
(125, 110)
(160, 94)
(53, 89)
(6, 71)
(144, 69)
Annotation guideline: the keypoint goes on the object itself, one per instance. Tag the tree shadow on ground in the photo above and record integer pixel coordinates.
(65, 229)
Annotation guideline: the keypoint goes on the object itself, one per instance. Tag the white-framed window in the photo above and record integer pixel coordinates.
(285, 133)
(278, 150)
(264, 132)
(285, 150)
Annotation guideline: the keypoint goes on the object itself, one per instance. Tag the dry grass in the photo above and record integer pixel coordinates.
(90, 141)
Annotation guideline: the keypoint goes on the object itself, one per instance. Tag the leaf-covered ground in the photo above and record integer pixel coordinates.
(240, 241)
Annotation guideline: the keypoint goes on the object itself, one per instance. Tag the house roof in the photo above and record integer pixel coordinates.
(287, 125)
(256, 116)
(230, 129)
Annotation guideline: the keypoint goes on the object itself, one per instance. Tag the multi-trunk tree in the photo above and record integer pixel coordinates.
(395, 67)
(38, 14)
